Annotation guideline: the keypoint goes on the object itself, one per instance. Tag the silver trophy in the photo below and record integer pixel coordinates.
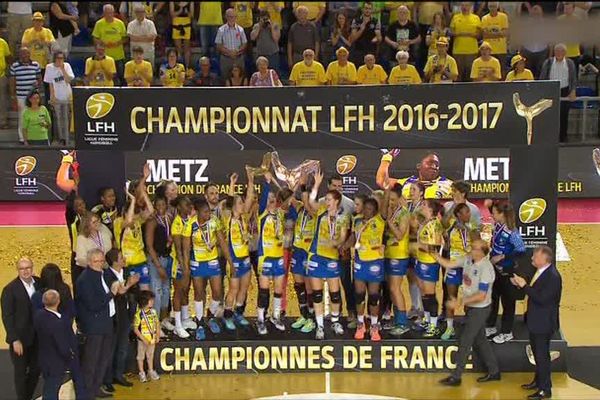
(292, 176)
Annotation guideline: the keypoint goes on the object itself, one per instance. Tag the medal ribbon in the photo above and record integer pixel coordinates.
(164, 222)
(148, 323)
(332, 224)
(205, 233)
(98, 240)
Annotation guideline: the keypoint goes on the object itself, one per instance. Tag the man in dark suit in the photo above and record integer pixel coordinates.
(544, 292)
(17, 316)
(57, 347)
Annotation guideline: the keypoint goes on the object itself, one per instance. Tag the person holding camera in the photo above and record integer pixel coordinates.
(266, 34)
(441, 67)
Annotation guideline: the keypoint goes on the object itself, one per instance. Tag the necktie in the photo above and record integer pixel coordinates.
(535, 277)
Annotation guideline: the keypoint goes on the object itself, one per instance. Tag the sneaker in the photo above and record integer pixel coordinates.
(320, 335)
(399, 330)
(213, 325)
(299, 323)
(413, 313)
(422, 324)
(337, 328)
(360, 331)
(261, 327)
(189, 324)
(182, 333)
(490, 331)
(200, 334)
(387, 324)
(352, 322)
(167, 325)
(153, 375)
(240, 320)
(143, 377)
(229, 324)
(278, 324)
(503, 338)
(432, 331)
(308, 326)
(374, 333)
(448, 334)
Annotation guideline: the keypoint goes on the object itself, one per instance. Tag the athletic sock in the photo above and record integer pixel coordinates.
(214, 307)
(261, 314)
(400, 317)
(320, 320)
(185, 312)
(427, 316)
(304, 311)
(276, 306)
(199, 307)
(374, 320)
(433, 322)
(239, 309)
(178, 323)
(361, 319)
(450, 323)
(335, 316)
(415, 296)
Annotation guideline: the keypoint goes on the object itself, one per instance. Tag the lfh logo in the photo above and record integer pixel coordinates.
(530, 112)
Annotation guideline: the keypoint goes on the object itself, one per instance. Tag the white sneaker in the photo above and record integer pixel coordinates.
(337, 328)
(503, 338)
(162, 333)
(320, 335)
(143, 377)
(189, 324)
(153, 375)
(182, 333)
(490, 331)
(167, 324)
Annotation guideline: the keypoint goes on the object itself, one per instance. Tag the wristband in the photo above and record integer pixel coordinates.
(387, 157)
(67, 159)
(313, 195)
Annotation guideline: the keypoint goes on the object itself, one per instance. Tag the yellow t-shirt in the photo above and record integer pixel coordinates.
(439, 188)
(375, 76)
(327, 229)
(100, 71)
(172, 75)
(304, 230)
(110, 33)
(308, 75)
(408, 76)
(4, 52)
(449, 64)
(210, 13)
(459, 238)
(393, 7)
(526, 75)
(426, 11)
(38, 43)
(465, 24)
(133, 69)
(243, 11)
(313, 7)
(146, 323)
(132, 244)
(272, 7)
(394, 248)
(204, 239)
(369, 236)
(335, 73)
(495, 25)
(238, 235)
(479, 65)
(179, 227)
(270, 233)
(573, 49)
(429, 234)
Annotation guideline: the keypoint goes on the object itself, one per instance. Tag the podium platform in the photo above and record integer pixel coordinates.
(244, 351)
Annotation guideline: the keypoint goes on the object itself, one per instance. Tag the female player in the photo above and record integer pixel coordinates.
(507, 244)
(107, 209)
(429, 240)
(416, 199)
(368, 267)
(331, 227)
(396, 213)
(205, 233)
(235, 222)
(168, 190)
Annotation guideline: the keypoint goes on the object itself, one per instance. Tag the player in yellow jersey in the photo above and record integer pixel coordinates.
(397, 256)
(368, 267)
(429, 240)
(180, 252)
(331, 230)
(237, 231)
(107, 209)
(204, 233)
(132, 241)
(416, 192)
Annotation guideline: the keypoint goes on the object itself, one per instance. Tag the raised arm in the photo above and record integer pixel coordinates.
(311, 203)
(382, 175)
(249, 193)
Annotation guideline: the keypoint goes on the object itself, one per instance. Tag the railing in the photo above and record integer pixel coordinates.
(584, 116)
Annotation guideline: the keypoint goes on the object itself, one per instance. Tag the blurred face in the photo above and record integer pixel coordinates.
(309, 57)
(336, 184)
(205, 67)
(59, 60)
(79, 206)
(95, 224)
(486, 52)
(172, 58)
(493, 7)
(331, 202)
(476, 252)
(370, 61)
(120, 264)
(184, 209)
(204, 214)
(97, 262)
(427, 211)
(100, 52)
(429, 167)
(24, 55)
(536, 11)
(569, 8)
(560, 53)
(109, 13)
(271, 201)
(302, 14)
(238, 205)
(437, 19)
(236, 72)
(358, 205)
(230, 15)
(35, 100)
(395, 200)
(402, 14)
(25, 270)
(150, 304)
(442, 49)
(497, 215)
(212, 195)
(520, 66)
(341, 20)
(402, 61)
(465, 215)
(368, 10)
(369, 211)
(138, 56)
(38, 24)
(342, 57)
(263, 65)
(140, 14)
(465, 7)
(538, 259)
(171, 191)
(109, 198)
(457, 196)
(160, 206)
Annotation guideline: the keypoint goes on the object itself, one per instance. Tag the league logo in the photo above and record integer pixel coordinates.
(99, 105)
(531, 210)
(25, 165)
(345, 164)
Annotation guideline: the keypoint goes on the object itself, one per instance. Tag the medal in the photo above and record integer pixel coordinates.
(98, 240)
(359, 233)
(205, 232)
(332, 221)
(464, 235)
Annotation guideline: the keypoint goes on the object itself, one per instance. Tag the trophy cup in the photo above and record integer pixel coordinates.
(530, 112)
(596, 159)
(292, 176)
(264, 167)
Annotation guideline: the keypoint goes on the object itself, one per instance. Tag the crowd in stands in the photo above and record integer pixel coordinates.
(265, 43)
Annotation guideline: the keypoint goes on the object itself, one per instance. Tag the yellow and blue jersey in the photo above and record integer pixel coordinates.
(132, 243)
(204, 239)
(328, 228)
(459, 241)
(304, 230)
(238, 235)
(369, 238)
(394, 248)
(439, 188)
(429, 234)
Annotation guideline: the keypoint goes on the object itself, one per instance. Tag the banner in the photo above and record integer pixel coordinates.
(579, 172)
(357, 117)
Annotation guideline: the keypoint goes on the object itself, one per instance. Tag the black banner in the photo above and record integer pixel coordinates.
(359, 117)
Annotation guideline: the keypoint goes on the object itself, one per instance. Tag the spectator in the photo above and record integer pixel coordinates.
(58, 76)
(441, 67)
(237, 77)
(371, 73)
(204, 77)
(340, 32)
(426, 14)
(466, 29)
(51, 279)
(316, 10)
(535, 48)
(403, 73)
(93, 235)
(25, 75)
(266, 33)
(518, 71)
(391, 9)
(95, 304)
(36, 121)
(437, 30)
(39, 40)
(146, 327)
(231, 43)
(18, 18)
(559, 68)
(274, 9)
(569, 21)
(17, 317)
(366, 34)
(172, 73)
(264, 77)
(303, 34)
(494, 29)
(308, 72)
(4, 62)
(244, 15)
(378, 7)
(100, 69)
(210, 18)
(110, 32)
(138, 72)
(486, 68)
(64, 25)
(142, 33)
(182, 13)
(341, 71)
(403, 34)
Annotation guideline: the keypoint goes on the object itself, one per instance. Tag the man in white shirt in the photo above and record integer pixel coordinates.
(142, 32)
(231, 43)
(58, 76)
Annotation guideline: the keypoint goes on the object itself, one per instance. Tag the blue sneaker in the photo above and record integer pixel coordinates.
(200, 335)
(213, 325)
(240, 320)
(229, 325)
